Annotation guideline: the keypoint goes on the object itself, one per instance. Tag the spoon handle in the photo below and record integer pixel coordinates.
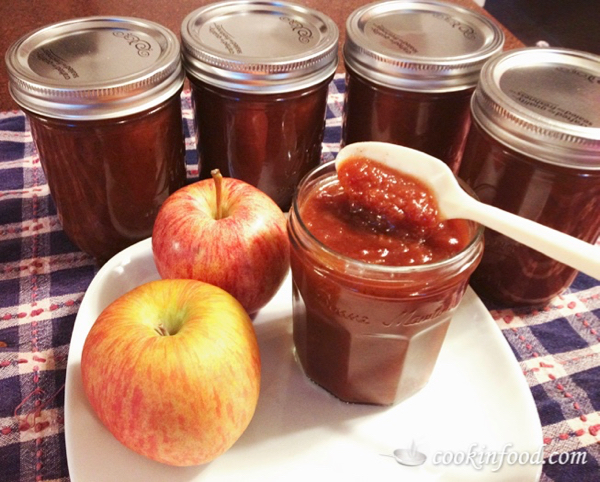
(573, 252)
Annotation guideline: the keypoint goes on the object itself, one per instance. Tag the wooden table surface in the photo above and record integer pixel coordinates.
(19, 17)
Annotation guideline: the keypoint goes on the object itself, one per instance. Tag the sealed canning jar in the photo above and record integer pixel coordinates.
(259, 73)
(534, 150)
(411, 67)
(102, 96)
(364, 331)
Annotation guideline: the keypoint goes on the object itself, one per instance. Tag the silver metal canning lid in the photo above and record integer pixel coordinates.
(95, 68)
(259, 47)
(421, 46)
(543, 103)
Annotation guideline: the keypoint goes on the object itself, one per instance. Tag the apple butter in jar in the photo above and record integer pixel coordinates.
(534, 150)
(260, 73)
(411, 67)
(102, 96)
(374, 292)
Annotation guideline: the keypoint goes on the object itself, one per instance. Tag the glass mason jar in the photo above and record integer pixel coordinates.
(411, 68)
(102, 96)
(534, 150)
(369, 333)
(259, 73)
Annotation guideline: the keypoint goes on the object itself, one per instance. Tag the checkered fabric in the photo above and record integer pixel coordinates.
(43, 278)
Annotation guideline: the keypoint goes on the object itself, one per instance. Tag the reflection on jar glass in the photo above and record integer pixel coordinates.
(102, 96)
(260, 112)
(534, 150)
(411, 68)
(370, 333)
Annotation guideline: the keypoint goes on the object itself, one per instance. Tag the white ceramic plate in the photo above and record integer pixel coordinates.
(476, 406)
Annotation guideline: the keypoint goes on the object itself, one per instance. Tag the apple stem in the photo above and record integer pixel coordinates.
(218, 178)
(161, 330)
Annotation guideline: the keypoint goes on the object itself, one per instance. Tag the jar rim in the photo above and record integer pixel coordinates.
(541, 103)
(365, 267)
(389, 43)
(259, 46)
(94, 68)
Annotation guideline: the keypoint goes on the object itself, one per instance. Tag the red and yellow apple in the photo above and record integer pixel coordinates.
(172, 369)
(225, 232)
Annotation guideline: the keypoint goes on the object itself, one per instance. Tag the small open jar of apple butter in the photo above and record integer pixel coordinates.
(534, 150)
(411, 67)
(259, 73)
(372, 301)
(102, 96)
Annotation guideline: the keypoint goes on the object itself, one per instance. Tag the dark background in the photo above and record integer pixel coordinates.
(571, 24)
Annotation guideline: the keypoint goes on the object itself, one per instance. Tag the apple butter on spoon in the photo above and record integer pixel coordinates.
(454, 203)
(403, 208)
(375, 215)
(399, 202)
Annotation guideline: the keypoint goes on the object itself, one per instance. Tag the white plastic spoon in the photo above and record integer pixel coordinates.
(455, 203)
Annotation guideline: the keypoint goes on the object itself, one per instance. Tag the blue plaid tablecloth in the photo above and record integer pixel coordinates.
(43, 278)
